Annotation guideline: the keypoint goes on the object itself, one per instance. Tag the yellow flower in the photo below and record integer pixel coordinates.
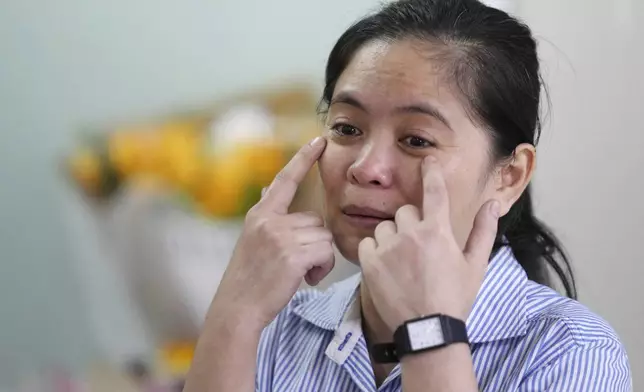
(221, 186)
(127, 151)
(176, 357)
(262, 161)
(179, 157)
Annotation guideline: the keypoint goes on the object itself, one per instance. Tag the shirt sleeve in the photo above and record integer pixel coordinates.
(600, 367)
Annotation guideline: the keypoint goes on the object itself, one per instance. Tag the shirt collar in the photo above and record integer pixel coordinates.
(328, 309)
(500, 308)
(499, 311)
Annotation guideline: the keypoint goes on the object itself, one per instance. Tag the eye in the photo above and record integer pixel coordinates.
(345, 130)
(417, 142)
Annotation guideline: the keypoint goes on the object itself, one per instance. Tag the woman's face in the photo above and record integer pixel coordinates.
(390, 109)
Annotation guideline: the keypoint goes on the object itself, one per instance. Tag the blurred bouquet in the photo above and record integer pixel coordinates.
(215, 164)
(212, 163)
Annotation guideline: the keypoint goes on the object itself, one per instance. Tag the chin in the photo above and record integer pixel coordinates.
(347, 238)
(348, 247)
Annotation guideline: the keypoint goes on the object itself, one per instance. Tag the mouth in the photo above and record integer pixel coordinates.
(365, 217)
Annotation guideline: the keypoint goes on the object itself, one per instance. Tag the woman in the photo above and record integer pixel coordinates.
(432, 119)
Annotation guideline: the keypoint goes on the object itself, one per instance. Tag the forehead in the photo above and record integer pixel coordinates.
(391, 73)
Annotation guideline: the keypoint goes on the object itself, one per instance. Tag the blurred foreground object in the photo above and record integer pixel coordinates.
(167, 200)
(214, 161)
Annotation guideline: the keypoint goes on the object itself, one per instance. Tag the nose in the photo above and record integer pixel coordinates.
(373, 167)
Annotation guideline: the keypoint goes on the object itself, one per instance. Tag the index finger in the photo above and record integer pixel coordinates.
(435, 197)
(281, 192)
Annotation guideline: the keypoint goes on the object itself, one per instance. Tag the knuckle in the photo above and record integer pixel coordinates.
(314, 218)
(410, 238)
(443, 231)
(260, 222)
(427, 231)
(430, 233)
(327, 236)
(314, 215)
(282, 175)
(252, 214)
(278, 236)
(304, 150)
(318, 221)
(286, 255)
(263, 226)
(293, 259)
(436, 189)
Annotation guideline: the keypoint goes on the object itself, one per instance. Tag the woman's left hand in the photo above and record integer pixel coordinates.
(414, 266)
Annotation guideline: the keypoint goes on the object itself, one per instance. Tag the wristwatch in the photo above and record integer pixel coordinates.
(419, 335)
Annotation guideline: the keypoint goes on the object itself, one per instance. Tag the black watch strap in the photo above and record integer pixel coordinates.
(453, 329)
(384, 353)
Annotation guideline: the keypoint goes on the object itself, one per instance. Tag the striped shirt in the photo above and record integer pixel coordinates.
(524, 337)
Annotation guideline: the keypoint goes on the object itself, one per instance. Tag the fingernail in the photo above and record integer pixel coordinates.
(495, 209)
(315, 141)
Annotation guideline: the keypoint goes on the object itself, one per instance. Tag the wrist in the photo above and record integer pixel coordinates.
(420, 335)
(233, 320)
(413, 314)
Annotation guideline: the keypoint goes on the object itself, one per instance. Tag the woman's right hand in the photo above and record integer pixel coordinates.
(276, 249)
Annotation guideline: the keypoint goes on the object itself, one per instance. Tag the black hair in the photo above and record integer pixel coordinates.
(491, 58)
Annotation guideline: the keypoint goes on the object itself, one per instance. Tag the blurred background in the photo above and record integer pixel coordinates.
(116, 121)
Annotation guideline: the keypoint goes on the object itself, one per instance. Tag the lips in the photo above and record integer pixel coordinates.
(365, 217)
(367, 212)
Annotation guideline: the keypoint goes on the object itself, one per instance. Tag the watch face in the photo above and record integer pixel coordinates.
(425, 333)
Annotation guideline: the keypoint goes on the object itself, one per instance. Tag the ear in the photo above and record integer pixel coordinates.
(514, 175)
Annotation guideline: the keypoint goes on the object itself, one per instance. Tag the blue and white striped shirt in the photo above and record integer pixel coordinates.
(524, 337)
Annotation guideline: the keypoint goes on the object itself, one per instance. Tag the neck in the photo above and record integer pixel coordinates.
(375, 330)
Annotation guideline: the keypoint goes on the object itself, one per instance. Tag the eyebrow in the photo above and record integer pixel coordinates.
(424, 108)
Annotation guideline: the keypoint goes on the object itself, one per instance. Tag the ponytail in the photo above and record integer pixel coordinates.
(534, 245)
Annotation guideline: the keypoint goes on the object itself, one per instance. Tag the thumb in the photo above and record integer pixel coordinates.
(479, 244)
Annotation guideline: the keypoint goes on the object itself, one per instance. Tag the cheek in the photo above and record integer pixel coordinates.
(467, 192)
(333, 166)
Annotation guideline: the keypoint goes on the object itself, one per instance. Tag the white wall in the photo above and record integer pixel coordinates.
(74, 62)
(590, 183)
